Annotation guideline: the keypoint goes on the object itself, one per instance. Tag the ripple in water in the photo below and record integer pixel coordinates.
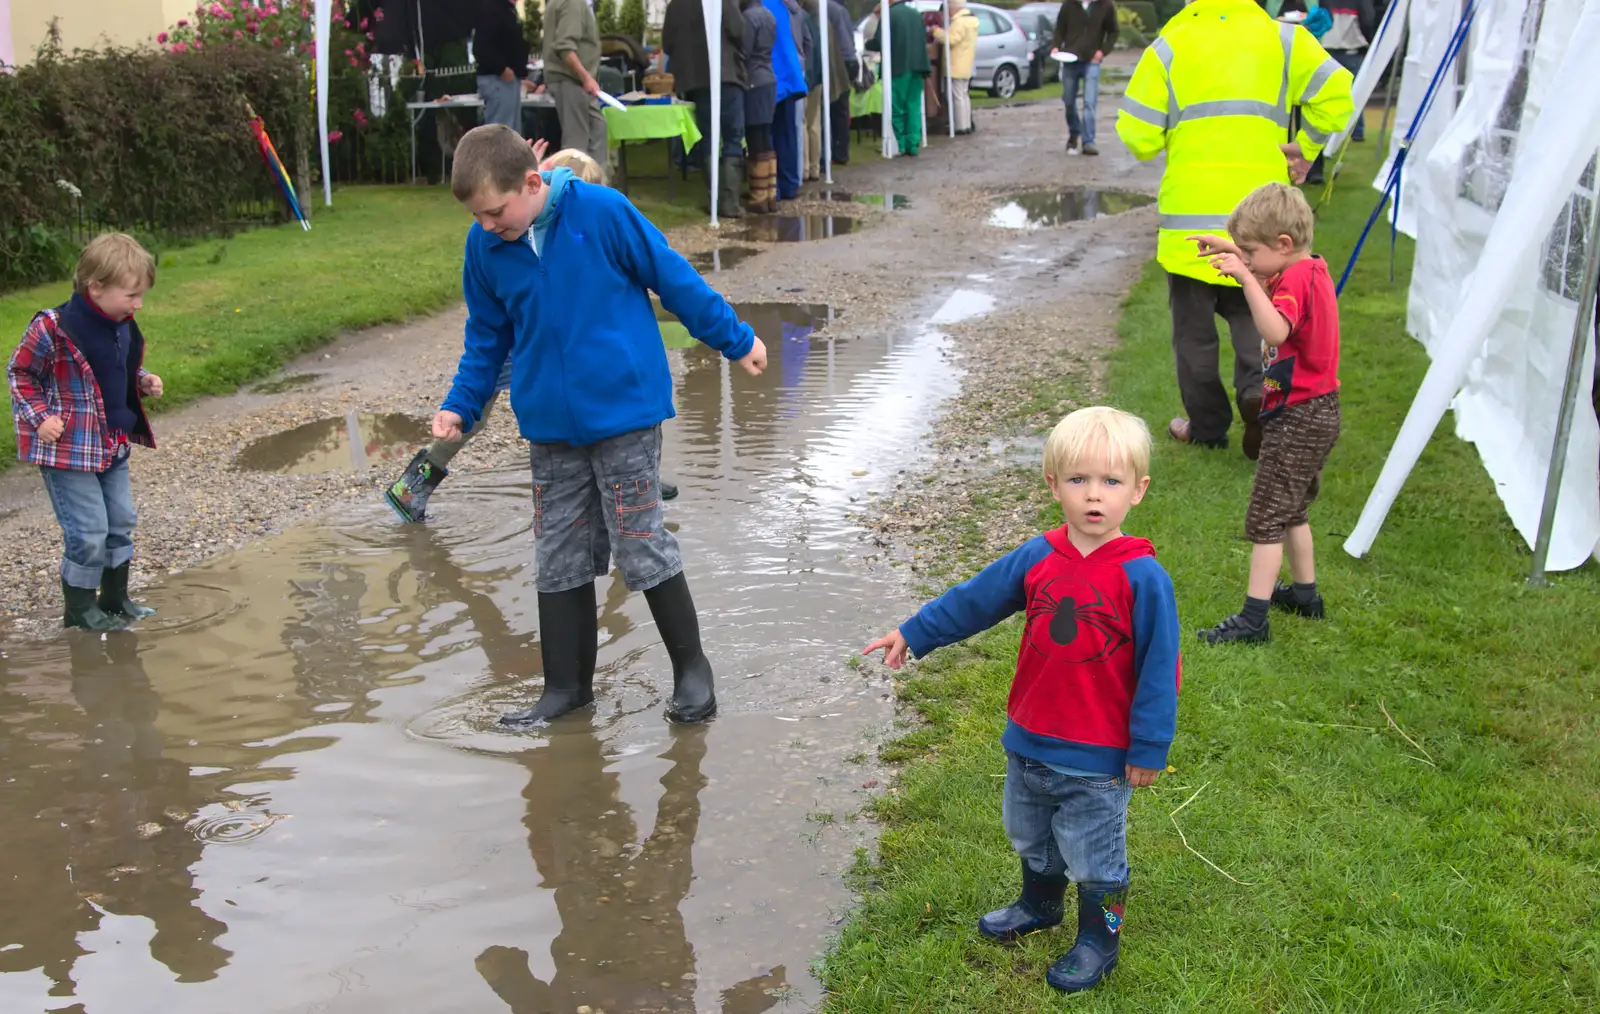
(234, 827)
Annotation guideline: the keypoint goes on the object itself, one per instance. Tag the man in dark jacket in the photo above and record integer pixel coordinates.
(683, 39)
(843, 42)
(1085, 29)
(908, 65)
(502, 55)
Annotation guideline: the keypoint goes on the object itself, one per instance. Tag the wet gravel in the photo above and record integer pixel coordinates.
(1049, 332)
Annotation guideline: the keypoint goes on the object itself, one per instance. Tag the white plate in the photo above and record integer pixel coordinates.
(611, 101)
(1064, 57)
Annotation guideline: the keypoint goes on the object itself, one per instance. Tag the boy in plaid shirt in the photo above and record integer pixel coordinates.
(77, 380)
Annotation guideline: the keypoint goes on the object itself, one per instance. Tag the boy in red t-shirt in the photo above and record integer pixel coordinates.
(1296, 309)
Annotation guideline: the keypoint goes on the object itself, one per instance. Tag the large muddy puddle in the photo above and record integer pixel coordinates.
(286, 792)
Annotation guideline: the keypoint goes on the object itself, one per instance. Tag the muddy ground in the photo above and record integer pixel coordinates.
(314, 660)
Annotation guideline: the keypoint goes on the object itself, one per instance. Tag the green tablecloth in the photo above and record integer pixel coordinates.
(652, 123)
(868, 102)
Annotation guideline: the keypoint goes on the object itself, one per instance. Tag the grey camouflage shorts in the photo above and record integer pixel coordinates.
(591, 501)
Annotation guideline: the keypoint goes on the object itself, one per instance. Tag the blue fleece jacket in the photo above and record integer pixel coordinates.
(587, 362)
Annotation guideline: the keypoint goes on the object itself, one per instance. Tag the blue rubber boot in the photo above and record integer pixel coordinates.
(1039, 907)
(1099, 941)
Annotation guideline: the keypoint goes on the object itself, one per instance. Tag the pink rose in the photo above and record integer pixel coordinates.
(371, 37)
(237, 35)
(162, 38)
(354, 62)
(183, 22)
(364, 24)
(334, 136)
(276, 43)
(180, 47)
(377, 15)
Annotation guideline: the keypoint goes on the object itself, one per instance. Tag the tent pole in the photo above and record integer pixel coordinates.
(1388, 88)
(711, 11)
(827, 93)
(887, 82)
(1581, 329)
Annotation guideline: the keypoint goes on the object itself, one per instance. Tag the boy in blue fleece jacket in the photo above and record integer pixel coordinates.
(558, 274)
(1093, 707)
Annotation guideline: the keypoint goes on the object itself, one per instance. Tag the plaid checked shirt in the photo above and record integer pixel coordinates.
(49, 376)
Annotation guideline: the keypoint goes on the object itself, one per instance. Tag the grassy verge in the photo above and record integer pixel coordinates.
(1459, 873)
(227, 312)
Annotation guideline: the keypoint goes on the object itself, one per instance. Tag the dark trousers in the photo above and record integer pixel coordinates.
(839, 114)
(786, 142)
(732, 121)
(1195, 307)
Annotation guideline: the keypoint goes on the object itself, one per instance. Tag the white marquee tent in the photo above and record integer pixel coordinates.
(1499, 190)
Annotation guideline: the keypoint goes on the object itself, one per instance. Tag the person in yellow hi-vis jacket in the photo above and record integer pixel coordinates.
(1215, 92)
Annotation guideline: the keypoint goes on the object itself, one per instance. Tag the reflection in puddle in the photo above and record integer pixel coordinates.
(312, 763)
(348, 443)
(289, 383)
(796, 228)
(1040, 208)
(889, 202)
(771, 321)
(722, 258)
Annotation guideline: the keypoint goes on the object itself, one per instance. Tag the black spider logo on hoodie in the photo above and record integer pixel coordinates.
(1071, 613)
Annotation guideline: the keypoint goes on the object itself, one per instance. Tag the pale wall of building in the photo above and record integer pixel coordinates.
(87, 23)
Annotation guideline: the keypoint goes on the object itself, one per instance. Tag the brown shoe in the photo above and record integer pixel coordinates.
(1178, 429)
(1250, 411)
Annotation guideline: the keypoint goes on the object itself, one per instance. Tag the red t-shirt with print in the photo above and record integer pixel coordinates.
(1306, 365)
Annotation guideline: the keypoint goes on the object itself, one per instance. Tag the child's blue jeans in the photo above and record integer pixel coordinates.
(96, 514)
(1067, 823)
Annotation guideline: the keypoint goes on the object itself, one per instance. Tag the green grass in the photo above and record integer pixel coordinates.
(1377, 881)
(226, 312)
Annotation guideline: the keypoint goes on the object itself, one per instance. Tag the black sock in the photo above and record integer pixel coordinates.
(1305, 594)
(1255, 611)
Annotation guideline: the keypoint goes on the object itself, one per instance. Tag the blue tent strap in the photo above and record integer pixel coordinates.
(1391, 184)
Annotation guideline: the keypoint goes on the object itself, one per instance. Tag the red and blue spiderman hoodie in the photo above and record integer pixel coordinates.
(1098, 671)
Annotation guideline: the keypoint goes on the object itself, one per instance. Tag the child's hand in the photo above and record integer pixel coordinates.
(1299, 165)
(755, 361)
(150, 386)
(1231, 265)
(447, 426)
(895, 650)
(51, 429)
(539, 146)
(1141, 777)
(1211, 245)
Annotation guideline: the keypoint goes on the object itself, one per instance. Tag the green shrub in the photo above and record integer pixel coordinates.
(632, 21)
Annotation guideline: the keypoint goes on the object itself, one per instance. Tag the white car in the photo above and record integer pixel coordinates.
(1004, 51)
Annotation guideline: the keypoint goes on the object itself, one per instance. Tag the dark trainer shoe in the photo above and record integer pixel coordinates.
(1237, 628)
(1283, 597)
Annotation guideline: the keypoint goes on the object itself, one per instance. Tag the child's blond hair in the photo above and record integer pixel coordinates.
(113, 258)
(1270, 211)
(1098, 433)
(582, 166)
(492, 155)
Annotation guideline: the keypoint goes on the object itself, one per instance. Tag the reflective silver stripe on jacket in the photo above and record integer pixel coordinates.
(1320, 78)
(1147, 114)
(1277, 114)
(1194, 221)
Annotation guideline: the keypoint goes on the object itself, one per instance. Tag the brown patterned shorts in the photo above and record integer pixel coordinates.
(1294, 447)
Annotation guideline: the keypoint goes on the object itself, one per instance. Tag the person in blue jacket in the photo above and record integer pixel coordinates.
(789, 68)
(558, 274)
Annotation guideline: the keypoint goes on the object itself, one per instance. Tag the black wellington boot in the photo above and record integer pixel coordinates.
(83, 611)
(569, 640)
(1038, 908)
(694, 695)
(114, 600)
(409, 494)
(1099, 942)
